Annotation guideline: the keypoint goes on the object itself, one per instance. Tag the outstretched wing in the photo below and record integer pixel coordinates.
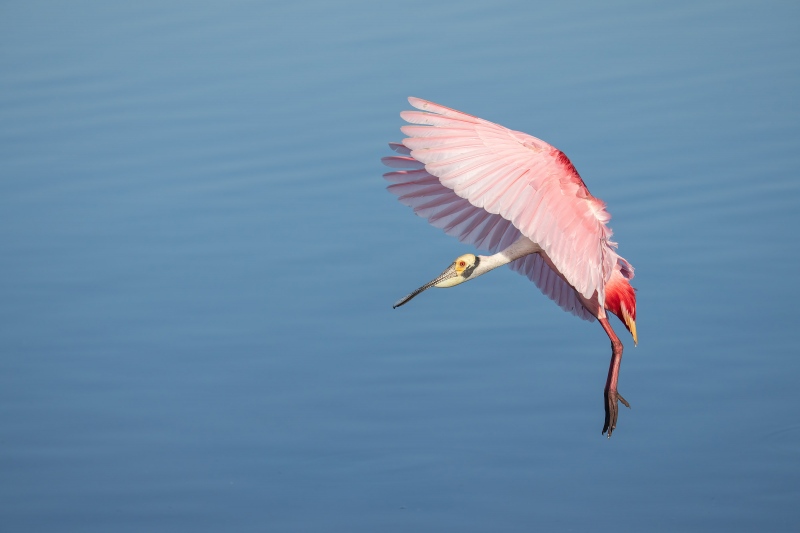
(512, 176)
(457, 217)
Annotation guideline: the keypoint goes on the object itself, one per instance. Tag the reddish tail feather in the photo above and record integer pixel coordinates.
(621, 300)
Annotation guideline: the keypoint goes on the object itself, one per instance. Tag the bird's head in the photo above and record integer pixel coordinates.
(458, 272)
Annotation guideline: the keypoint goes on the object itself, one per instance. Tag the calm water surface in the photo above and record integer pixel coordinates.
(198, 260)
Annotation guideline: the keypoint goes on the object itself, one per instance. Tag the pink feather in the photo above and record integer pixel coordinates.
(518, 178)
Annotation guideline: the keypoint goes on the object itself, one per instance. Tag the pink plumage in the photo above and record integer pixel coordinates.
(492, 187)
(525, 181)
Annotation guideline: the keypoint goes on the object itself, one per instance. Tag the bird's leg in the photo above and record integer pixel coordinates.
(610, 392)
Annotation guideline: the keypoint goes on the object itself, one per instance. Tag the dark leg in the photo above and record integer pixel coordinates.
(610, 393)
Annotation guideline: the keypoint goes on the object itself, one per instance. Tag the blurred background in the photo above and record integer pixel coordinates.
(198, 261)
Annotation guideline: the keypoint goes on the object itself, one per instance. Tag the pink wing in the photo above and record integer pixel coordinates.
(514, 183)
(459, 218)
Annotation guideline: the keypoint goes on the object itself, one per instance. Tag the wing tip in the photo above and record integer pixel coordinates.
(413, 100)
(400, 148)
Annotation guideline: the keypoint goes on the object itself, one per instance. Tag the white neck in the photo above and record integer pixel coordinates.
(520, 248)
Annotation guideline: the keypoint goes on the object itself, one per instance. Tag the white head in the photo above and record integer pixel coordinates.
(460, 271)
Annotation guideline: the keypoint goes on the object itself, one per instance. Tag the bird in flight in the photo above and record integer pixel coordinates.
(522, 200)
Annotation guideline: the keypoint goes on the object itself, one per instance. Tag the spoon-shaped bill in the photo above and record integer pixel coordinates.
(447, 274)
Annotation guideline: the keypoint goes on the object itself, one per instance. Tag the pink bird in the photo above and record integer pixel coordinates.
(522, 200)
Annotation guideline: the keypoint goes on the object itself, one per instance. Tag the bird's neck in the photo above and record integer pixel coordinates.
(520, 248)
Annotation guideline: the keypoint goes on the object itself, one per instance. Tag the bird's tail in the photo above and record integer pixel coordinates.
(621, 300)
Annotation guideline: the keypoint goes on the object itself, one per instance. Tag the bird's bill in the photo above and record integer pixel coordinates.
(448, 278)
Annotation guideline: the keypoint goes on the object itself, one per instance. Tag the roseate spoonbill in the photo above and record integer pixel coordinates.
(522, 200)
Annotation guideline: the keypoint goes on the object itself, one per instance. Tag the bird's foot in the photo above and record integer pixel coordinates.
(612, 410)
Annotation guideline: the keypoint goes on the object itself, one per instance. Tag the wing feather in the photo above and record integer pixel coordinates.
(472, 225)
(520, 179)
(537, 270)
(400, 148)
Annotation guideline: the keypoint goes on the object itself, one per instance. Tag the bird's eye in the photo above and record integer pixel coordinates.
(462, 263)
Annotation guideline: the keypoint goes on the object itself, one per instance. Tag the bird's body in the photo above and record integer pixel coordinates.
(522, 200)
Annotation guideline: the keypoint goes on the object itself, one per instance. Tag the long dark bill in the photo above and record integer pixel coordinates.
(447, 274)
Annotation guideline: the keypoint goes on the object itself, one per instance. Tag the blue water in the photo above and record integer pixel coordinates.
(198, 261)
